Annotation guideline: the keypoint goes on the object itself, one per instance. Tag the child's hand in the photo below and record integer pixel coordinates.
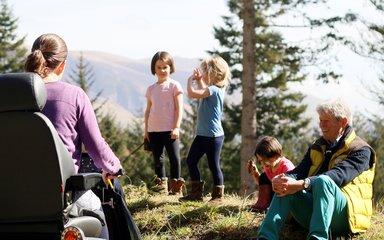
(252, 168)
(175, 133)
(197, 75)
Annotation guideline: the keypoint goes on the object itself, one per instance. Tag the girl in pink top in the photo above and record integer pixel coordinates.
(162, 122)
(269, 153)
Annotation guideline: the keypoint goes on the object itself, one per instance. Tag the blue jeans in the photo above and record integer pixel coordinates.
(323, 208)
(211, 146)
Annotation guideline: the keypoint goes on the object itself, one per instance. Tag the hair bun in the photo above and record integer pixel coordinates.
(37, 53)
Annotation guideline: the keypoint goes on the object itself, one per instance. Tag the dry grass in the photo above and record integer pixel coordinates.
(164, 217)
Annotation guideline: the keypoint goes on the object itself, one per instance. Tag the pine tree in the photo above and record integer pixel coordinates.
(248, 113)
(83, 76)
(113, 134)
(12, 51)
(137, 162)
(370, 127)
(278, 110)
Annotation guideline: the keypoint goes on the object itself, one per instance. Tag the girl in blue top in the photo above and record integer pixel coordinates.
(208, 85)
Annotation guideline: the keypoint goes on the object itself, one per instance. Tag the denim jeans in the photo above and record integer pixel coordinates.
(323, 208)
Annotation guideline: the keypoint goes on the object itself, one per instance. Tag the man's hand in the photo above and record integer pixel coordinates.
(283, 185)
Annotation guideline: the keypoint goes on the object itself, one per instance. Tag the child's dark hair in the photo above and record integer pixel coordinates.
(165, 57)
(268, 147)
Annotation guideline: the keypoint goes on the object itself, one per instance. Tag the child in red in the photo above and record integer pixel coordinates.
(269, 153)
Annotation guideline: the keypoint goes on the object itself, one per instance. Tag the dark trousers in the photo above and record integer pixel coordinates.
(211, 146)
(264, 179)
(159, 141)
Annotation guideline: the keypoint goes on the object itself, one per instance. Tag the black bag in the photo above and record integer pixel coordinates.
(121, 225)
(147, 145)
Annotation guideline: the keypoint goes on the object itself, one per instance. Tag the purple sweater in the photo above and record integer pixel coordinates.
(71, 112)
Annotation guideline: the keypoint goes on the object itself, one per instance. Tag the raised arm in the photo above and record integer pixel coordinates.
(202, 90)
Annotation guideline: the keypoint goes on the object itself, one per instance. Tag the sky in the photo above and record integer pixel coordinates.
(131, 28)
(136, 29)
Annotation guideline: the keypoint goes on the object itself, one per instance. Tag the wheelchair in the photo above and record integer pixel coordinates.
(38, 181)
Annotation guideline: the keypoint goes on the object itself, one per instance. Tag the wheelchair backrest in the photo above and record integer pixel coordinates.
(34, 162)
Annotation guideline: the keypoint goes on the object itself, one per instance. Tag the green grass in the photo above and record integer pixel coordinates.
(164, 217)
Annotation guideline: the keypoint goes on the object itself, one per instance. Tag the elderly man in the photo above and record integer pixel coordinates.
(331, 188)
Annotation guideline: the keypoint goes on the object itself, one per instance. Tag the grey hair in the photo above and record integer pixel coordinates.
(337, 108)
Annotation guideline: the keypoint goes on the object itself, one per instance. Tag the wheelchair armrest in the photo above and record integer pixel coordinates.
(83, 181)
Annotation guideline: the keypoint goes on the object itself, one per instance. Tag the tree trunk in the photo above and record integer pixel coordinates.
(248, 119)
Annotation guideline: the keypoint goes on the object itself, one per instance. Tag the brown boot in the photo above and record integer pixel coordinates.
(161, 186)
(176, 186)
(264, 199)
(217, 194)
(196, 194)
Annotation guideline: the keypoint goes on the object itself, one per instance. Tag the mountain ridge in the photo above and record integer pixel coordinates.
(123, 82)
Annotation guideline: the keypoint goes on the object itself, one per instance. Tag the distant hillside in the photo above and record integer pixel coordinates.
(124, 82)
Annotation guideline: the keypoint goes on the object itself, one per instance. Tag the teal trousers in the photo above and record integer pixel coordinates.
(323, 208)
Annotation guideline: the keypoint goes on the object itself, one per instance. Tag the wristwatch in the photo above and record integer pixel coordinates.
(307, 184)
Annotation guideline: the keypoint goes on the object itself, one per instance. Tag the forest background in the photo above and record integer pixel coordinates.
(264, 66)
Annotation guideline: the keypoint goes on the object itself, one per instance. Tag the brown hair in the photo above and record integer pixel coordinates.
(217, 69)
(47, 53)
(268, 147)
(165, 57)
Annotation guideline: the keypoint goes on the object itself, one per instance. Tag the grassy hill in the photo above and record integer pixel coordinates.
(163, 217)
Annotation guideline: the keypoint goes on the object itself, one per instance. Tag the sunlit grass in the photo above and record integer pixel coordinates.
(164, 217)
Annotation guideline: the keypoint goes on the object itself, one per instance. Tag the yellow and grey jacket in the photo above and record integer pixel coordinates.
(356, 187)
